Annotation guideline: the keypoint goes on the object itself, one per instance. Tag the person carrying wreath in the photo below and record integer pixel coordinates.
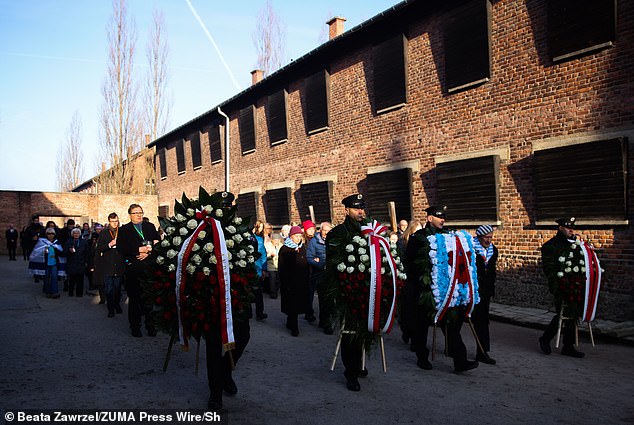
(419, 307)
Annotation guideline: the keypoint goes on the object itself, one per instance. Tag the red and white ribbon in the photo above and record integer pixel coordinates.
(593, 281)
(456, 249)
(375, 242)
(224, 281)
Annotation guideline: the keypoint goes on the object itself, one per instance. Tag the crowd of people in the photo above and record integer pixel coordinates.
(293, 264)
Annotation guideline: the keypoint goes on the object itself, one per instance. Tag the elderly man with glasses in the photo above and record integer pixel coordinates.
(134, 243)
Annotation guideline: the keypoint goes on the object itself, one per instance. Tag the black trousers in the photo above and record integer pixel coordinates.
(351, 352)
(259, 297)
(418, 332)
(137, 306)
(76, 285)
(324, 306)
(12, 250)
(569, 326)
(219, 365)
(456, 348)
(480, 320)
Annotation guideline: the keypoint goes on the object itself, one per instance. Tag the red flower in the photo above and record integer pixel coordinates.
(158, 301)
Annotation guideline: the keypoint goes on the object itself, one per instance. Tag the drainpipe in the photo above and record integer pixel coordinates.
(226, 148)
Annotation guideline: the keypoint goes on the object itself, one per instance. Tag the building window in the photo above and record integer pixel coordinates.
(276, 108)
(277, 206)
(180, 156)
(215, 147)
(317, 88)
(247, 204)
(467, 46)
(586, 180)
(577, 27)
(164, 211)
(162, 163)
(390, 186)
(194, 144)
(469, 189)
(317, 196)
(246, 122)
(390, 76)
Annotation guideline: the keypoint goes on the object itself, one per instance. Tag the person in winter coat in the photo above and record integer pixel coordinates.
(76, 251)
(293, 273)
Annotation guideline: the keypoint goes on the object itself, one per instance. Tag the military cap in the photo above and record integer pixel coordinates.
(226, 198)
(354, 201)
(568, 222)
(436, 211)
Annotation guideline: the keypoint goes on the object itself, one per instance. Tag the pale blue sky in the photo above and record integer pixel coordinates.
(53, 62)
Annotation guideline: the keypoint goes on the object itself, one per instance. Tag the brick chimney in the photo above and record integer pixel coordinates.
(335, 26)
(256, 76)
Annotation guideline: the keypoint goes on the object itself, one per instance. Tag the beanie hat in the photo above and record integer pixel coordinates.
(485, 229)
(295, 230)
(308, 224)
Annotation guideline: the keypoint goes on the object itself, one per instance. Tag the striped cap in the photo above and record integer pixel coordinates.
(485, 229)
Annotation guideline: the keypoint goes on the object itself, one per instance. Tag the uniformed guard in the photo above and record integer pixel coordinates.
(336, 241)
(418, 306)
(551, 252)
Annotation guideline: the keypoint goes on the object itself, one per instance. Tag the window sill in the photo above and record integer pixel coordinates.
(248, 152)
(390, 108)
(318, 130)
(472, 223)
(581, 52)
(586, 223)
(279, 142)
(198, 168)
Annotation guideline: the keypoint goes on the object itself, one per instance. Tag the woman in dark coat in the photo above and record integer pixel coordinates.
(293, 273)
(76, 252)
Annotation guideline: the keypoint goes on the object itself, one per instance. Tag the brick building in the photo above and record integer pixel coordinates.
(510, 112)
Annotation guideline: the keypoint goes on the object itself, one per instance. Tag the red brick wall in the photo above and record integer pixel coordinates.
(529, 99)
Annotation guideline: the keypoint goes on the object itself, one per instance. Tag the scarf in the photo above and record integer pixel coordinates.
(485, 253)
(289, 243)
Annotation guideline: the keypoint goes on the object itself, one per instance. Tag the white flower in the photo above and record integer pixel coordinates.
(190, 212)
(218, 212)
(177, 240)
(237, 238)
(250, 249)
(567, 270)
(180, 218)
(229, 255)
(570, 255)
(402, 276)
(384, 260)
(432, 254)
(382, 270)
(242, 263)
(341, 267)
(197, 259)
(231, 229)
(192, 224)
(171, 268)
(575, 269)
(170, 230)
(560, 274)
(165, 243)
(241, 254)
(182, 231)
(361, 251)
(364, 258)
(569, 263)
(578, 242)
(583, 269)
(202, 234)
(356, 238)
(196, 247)
(251, 259)
(361, 268)
(171, 253)
(212, 259)
(562, 259)
(349, 247)
(237, 221)
(160, 260)
(351, 258)
(209, 247)
(191, 268)
(229, 243)
(582, 262)
(246, 235)
(208, 209)
(230, 265)
(363, 242)
(206, 270)
(397, 260)
(350, 269)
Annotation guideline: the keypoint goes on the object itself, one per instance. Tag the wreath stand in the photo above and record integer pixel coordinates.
(560, 325)
(338, 347)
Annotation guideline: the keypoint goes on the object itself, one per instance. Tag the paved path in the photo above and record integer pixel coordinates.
(67, 354)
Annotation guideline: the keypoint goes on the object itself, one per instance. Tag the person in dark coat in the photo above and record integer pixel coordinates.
(76, 252)
(109, 264)
(293, 271)
(486, 262)
(12, 241)
(134, 243)
(551, 251)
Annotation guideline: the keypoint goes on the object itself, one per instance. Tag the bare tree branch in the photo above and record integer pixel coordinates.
(70, 157)
(269, 38)
(157, 104)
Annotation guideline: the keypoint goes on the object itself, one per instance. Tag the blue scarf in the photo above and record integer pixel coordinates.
(289, 243)
(486, 253)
